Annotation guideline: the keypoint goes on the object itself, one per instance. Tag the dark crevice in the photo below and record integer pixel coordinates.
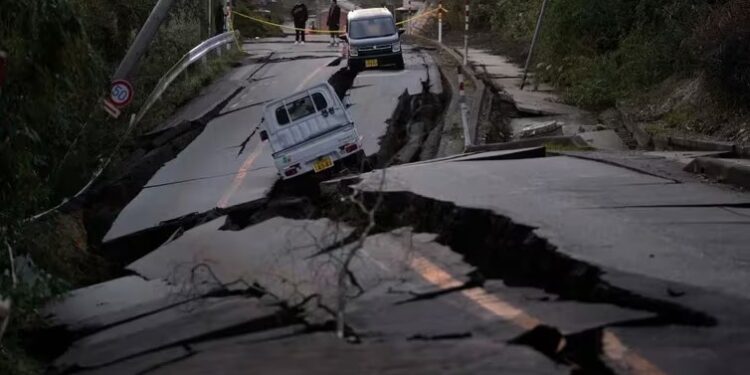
(301, 57)
(103, 202)
(621, 165)
(282, 318)
(244, 107)
(127, 249)
(446, 336)
(582, 351)
(416, 297)
(189, 353)
(512, 252)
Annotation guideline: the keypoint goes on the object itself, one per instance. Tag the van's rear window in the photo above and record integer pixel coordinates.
(300, 108)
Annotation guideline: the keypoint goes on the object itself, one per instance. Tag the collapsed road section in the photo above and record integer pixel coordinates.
(403, 137)
(456, 260)
(510, 262)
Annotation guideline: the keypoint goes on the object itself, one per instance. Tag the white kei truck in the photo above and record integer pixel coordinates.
(310, 130)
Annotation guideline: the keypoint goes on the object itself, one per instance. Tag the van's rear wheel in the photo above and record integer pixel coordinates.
(400, 62)
(355, 65)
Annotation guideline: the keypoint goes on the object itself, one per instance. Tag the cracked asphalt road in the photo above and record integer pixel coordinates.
(209, 173)
(502, 262)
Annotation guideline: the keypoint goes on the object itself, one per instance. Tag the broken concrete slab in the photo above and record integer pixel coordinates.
(540, 129)
(560, 141)
(730, 171)
(685, 157)
(393, 259)
(589, 210)
(689, 350)
(567, 316)
(171, 327)
(273, 256)
(108, 303)
(603, 140)
(323, 353)
(663, 166)
(521, 153)
(683, 143)
(142, 364)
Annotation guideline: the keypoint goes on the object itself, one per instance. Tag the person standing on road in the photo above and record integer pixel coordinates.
(299, 15)
(334, 20)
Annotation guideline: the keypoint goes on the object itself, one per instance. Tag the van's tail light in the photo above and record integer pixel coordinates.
(349, 148)
(291, 170)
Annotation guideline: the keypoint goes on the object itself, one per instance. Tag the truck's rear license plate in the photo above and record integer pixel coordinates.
(371, 63)
(322, 164)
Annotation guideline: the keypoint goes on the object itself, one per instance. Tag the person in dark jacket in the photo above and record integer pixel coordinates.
(299, 15)
(334, 20)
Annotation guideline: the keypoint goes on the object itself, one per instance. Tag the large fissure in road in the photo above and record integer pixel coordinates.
(414, 117)
(502, 249)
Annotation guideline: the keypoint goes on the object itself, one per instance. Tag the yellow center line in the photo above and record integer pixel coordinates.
(240, 177)
(613, 348)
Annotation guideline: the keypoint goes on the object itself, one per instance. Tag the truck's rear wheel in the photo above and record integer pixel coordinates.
(363, 163)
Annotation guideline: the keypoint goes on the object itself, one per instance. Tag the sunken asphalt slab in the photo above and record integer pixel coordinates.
(211, 173)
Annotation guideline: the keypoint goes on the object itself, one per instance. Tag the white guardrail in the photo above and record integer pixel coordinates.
(198, 52)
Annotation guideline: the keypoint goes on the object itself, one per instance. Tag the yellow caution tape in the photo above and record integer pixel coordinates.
(265, 22)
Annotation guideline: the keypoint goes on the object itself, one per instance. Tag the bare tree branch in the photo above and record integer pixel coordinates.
(345, 272)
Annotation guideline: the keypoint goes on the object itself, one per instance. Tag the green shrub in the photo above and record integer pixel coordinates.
(53, 133)
(598, 51)
(250, 28)
(722, 45)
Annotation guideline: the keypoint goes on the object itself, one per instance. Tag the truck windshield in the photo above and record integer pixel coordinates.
(371, 27)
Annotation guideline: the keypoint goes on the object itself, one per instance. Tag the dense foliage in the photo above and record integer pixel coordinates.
(53, 133)
(600, 50)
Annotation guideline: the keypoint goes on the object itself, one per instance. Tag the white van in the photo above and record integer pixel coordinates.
(310, 131)
(373, 39)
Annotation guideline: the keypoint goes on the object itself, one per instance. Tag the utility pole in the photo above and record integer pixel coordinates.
(143, 39)
(533, 43)
(440, 22)
(466, 33)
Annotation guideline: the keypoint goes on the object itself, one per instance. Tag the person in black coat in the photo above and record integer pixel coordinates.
(334, 20)
(299, 15)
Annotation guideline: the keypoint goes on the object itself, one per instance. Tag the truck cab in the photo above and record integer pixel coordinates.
(373, 39)
(310, 131)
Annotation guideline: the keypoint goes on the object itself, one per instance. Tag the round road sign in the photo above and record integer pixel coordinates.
(121, 93)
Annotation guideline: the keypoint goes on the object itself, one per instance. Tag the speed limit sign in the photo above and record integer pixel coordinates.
(121, 93)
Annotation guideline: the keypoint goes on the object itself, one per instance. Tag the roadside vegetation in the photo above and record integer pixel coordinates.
(681, 64)
(54, 135)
